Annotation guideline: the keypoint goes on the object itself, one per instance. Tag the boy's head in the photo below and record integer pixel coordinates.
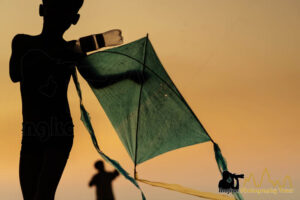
(60, 14)
(99, 165)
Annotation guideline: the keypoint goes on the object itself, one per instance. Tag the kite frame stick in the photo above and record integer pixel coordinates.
(138, 112)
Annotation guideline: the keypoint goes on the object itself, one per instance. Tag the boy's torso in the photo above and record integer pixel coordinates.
(45, 75)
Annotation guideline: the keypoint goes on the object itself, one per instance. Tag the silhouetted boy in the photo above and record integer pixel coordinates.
(43, 65)
(103, 182)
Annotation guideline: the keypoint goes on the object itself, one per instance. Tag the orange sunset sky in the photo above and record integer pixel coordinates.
(237, 64)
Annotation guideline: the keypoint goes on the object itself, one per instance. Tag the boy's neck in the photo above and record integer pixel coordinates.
(51, 35)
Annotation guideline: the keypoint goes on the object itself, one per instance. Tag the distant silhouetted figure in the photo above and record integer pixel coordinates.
(103, 182)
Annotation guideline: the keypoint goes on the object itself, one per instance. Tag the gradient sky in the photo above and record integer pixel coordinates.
(237, 64)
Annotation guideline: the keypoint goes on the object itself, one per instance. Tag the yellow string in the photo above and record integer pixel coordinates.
(179, 188)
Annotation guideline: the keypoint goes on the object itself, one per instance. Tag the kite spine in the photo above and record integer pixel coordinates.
(138, 111)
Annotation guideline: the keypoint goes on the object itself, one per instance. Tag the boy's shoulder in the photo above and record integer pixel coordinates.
(20, 38)
(21, 41)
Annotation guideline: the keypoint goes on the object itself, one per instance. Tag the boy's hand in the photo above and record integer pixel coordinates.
(113, 37)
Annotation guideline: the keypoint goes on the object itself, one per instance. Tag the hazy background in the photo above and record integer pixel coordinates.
(237, 64)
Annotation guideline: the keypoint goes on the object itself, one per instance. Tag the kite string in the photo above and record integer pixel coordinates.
(139, 106)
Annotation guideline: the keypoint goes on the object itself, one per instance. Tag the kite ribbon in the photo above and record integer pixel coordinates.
(181, 189)
(222, 164)
(85, 118)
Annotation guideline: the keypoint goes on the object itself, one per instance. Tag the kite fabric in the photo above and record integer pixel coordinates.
(144, 106)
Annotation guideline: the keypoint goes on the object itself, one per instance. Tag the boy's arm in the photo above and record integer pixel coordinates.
(15, 59)
(115, 174)
(92, 181)
(78, 49)
(94, 42)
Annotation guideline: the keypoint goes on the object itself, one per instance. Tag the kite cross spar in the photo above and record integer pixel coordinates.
(149, 114)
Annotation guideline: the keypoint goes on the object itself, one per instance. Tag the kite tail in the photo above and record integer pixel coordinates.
(238, 196)
(222, 165)
(185, 190)
(85, 118)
